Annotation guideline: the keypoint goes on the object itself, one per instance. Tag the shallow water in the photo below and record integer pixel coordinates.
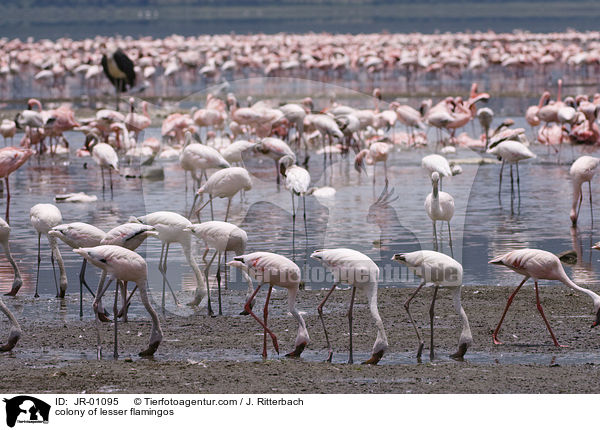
(482, 227)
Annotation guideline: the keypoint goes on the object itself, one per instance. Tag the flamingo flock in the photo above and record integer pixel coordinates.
(176, 65)
(221, 142)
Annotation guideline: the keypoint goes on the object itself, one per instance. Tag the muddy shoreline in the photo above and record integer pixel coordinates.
(200, 354)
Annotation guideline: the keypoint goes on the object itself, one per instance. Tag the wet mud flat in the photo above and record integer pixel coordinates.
(200, 354)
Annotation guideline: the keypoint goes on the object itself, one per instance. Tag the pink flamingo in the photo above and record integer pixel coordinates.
(539, 264)
(136, 122)
(11, 159)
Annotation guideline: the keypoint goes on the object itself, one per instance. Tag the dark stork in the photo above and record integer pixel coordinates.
(118, 68)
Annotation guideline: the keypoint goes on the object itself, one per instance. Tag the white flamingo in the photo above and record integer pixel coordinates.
(17, 281)
(436, 163)
(439, 206)
(278, 271)
(79, 235)
(222, 237)
(441, 271)
(129, 235)
(511, 152)
(582, 170)
(539, 264)
(224, 183)
(174, 228)
(196, 156)
(105, 156)
(297, 181)
(43, 217)
(353, 268)
(123, 265)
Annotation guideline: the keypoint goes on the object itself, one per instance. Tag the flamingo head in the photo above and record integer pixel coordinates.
(285, 163)
(573, 216)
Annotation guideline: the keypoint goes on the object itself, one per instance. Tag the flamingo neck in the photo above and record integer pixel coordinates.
(567, 281)
(465, 335)
(302, 336)
(576, 196)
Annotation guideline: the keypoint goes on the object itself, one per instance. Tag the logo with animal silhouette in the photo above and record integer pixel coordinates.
(26, 409)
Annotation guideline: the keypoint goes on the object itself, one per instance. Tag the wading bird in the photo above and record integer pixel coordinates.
(119, 70)
(11, 159)
(79, 235)
(297, 181)
(439, 207)
(44, 217)
(223, 237)
(224, 183)
(278, 271)
(17, 281)
(441, 271)
(353, 268)
(582, 170)
(174, 228)
(539, 264)
(123, 265)
(511, 152)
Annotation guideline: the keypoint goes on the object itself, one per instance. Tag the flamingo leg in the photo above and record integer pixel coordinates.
(165, 280)
(206, 271)
(125, 303)
(248, 309)
(265, 317)
(512, 185)
(518, 180)
(431, 315)
(320, 311)
(193, 205)
(102, 171)
(293, 228)
(450, 237)
(54, 270)
(202, 207)
(591, 209)
(110, 179)
(7, 198)
(541, 311)
(39, 259)
(99, 293)
(304, 215)
(227, 211)
(412, 321)
(350, 358)
(500, 184)
(510, 299)
(218, 276)
(435, 240)
(115, 312)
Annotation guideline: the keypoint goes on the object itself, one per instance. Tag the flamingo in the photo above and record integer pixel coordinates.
(8, 128)
(441, 271)
(174, 228)
(11, 159)
(15, 329)
(275, 149)
(354, 268)
(233, 152)
(123, 265)
(79, 235)
(104, 155)
(278, 271)
(224, 183)
(582, 170)
(17, 281)
(376, 153)
(436, 163)
(136, 122)
(129, 235)
(539, 264)
(223, 237)
(485, 116)
(45, 216)
(511, 152)
(297, 181)
(439, 206)
(196, 156)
